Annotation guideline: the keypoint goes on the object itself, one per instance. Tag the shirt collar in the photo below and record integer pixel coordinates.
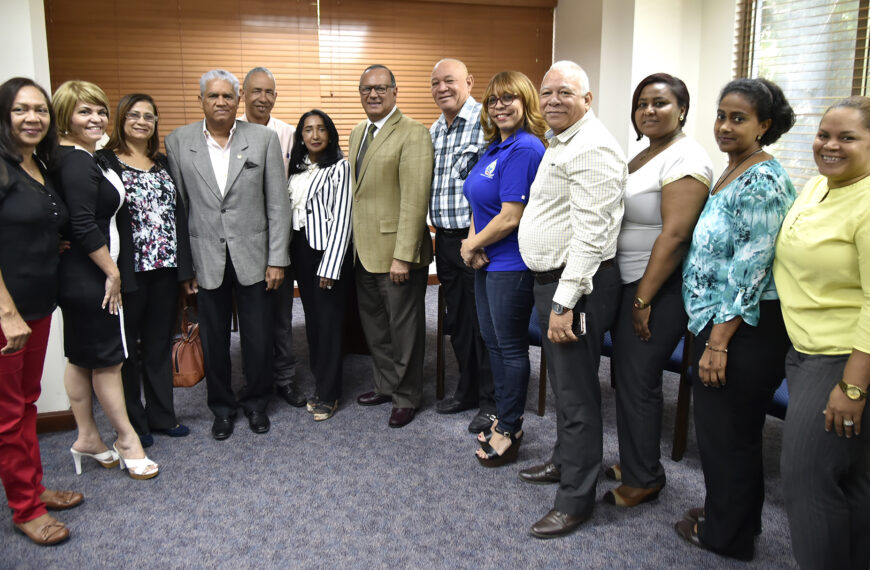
(244, 117)
(569, 133)
(466, 113)
(508, 141)
(379, 124)
(208, 136)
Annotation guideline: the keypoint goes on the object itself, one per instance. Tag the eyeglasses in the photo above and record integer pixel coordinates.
(506, 99)
(147, 117)
(379, 89)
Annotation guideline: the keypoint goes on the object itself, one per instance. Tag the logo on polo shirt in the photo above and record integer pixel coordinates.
(490, 169)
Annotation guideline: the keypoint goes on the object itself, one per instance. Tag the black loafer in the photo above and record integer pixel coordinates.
(290, 394)
(452, 406)
(481, 422)
(258, 421)
(222, 427)
(545, 474)
(555, 524)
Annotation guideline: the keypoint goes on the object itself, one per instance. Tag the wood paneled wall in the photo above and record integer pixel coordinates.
(316, 49)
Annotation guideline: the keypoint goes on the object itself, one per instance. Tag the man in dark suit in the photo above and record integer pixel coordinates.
(391, 164)
(231, 177)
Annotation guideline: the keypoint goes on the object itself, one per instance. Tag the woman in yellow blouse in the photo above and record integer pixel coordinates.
(822, 273)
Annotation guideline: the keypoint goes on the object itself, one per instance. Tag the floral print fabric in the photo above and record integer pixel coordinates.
(728, 269)
(151, 201)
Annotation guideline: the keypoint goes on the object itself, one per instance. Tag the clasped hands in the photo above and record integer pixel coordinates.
(474, 258)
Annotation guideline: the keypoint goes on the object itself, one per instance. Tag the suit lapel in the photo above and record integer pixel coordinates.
(202, 163)
(379, 141)
(238, 157)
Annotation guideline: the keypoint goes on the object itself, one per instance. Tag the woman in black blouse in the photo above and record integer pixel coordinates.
(31, 214)
(158, 235)
(90, 281)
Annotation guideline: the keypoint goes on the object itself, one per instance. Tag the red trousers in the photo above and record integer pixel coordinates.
(20, 464)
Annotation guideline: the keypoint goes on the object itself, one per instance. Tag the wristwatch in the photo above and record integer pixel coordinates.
(852, 392)
(640, 304)
(558, 309)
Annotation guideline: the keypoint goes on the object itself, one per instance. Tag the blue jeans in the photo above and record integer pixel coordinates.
(504, 305)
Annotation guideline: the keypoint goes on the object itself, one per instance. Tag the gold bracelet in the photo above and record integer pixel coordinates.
(707, 345)
(640, 304)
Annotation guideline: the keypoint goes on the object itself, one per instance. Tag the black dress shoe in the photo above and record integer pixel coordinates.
(373, 399)
(222, 427)
(555, 524)
(400, 417)
(452, 406)
(258, 421)
(481, 422)
(290, 394)
(545, 474)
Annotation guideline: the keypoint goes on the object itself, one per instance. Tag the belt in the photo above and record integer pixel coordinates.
(547, 277)
(463, 232)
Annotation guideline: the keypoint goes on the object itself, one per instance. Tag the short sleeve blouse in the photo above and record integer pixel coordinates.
(727, 272)
(642, 222)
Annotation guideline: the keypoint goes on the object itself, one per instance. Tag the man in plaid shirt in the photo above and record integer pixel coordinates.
(457, 137)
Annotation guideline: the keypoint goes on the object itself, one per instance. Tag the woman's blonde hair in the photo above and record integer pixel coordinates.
(67, 96)
(518, 84)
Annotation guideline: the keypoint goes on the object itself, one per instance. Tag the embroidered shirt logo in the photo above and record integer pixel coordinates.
(490, 169)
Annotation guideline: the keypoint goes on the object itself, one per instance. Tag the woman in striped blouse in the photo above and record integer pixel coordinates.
(320, 195)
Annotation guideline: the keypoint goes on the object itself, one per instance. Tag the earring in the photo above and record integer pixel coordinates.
(682, 117)
(758, 138)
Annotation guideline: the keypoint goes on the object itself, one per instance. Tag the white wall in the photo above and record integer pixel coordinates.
(24, 52)
(619, 42)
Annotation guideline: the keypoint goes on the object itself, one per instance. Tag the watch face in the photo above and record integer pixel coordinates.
(853, 393)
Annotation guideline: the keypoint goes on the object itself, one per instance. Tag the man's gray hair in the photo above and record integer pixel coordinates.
(218, 74)
(259, 70)
(573, 70)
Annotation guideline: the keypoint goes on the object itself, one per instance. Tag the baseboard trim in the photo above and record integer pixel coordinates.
(55, 421)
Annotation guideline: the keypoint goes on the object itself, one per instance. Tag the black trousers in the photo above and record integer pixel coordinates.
(728, 423)
(474, 385)
(324, 315)
(149, 317)
(573, 371)
(255, 328)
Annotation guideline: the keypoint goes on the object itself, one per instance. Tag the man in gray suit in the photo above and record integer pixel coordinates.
(231, 177)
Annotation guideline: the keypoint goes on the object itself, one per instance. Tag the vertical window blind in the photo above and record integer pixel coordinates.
(816, 51)
(316, 48)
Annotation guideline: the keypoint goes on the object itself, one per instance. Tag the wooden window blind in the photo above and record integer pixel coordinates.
(816, 51)
(316, 49)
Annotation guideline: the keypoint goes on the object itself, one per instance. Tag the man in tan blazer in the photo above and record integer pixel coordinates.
(391, 163)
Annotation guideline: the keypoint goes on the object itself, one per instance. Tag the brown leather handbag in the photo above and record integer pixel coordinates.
(187, 363)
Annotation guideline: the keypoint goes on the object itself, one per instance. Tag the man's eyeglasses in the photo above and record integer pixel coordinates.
(147, 117)
(379, 89)
(506, 99)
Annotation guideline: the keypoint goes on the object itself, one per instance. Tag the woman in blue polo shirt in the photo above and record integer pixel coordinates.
(498, 189)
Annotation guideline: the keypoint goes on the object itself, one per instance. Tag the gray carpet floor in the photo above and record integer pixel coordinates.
(352, 493)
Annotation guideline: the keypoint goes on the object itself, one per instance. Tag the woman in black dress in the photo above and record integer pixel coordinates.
(31, 214)
(157, 230)
(90, 281)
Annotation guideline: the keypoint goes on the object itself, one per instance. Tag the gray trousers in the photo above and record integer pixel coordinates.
(394, 321)
(826, 478)
(282, 334)
(573, 372)
(638, 366)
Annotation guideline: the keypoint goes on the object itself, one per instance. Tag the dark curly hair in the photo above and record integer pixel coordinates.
(8, 147)
(769, 102)
(330, 155)
(677, 87)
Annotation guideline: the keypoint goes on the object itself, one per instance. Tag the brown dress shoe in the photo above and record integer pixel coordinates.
(44, 531)
(373, 399)
(555, 524)
(400, 417)
(61, 500)
(541, 474)
(625, 496)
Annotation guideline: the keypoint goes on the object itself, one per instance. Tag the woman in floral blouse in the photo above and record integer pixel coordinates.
(740, 340)
(157, 230)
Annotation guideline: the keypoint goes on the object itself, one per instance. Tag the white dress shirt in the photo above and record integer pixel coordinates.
(219, 155)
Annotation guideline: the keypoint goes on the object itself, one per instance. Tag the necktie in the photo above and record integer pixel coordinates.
(370, 135)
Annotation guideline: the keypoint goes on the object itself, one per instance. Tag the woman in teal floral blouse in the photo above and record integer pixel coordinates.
(730, 298)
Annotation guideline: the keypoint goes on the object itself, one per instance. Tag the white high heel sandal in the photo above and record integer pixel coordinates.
(107, 459)
(137, 468)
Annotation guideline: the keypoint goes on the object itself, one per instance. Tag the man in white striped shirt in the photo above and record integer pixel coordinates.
(567, 237)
